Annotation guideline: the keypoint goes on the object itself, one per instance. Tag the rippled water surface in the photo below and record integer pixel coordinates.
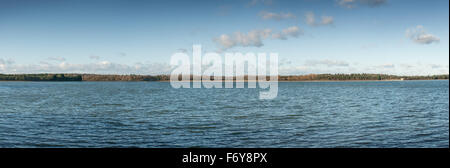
(152, 114)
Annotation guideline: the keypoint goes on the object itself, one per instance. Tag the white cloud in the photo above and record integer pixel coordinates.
(254, 38)
(276, 16)
(420, 36)
(226, 41)
(292, 31)
(286, 67)
(310, 19)
(355, 3)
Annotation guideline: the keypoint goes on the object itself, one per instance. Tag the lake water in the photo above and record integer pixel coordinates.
(152, 114)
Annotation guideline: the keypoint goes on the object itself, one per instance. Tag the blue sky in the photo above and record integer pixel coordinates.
(311, 36)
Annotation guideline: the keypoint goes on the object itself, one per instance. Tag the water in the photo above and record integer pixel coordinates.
(152, 114)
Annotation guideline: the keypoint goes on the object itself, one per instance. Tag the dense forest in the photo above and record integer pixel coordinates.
(94, 77)
(40, 77)
(310, 77)
(343, 77)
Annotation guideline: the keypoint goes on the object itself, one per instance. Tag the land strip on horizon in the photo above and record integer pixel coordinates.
(309, 77)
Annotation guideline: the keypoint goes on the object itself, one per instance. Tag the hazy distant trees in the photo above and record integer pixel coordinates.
(40, 77)
(343, 77)
(94, 77)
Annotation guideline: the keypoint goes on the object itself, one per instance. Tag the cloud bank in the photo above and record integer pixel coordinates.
(286, 67)
(102, 67)
(339, 66)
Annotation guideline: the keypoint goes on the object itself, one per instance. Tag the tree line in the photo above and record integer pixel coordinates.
(310, 77)
(40, 77)
(343, 77)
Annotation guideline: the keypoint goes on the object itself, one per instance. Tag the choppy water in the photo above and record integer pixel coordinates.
(152, 114)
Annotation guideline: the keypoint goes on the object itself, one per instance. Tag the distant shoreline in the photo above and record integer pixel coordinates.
(311, 81)
(166, 78)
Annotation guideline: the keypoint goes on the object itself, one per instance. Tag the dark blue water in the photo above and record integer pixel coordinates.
(305, 114)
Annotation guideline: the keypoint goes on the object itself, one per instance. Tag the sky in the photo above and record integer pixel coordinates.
(400, 37)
